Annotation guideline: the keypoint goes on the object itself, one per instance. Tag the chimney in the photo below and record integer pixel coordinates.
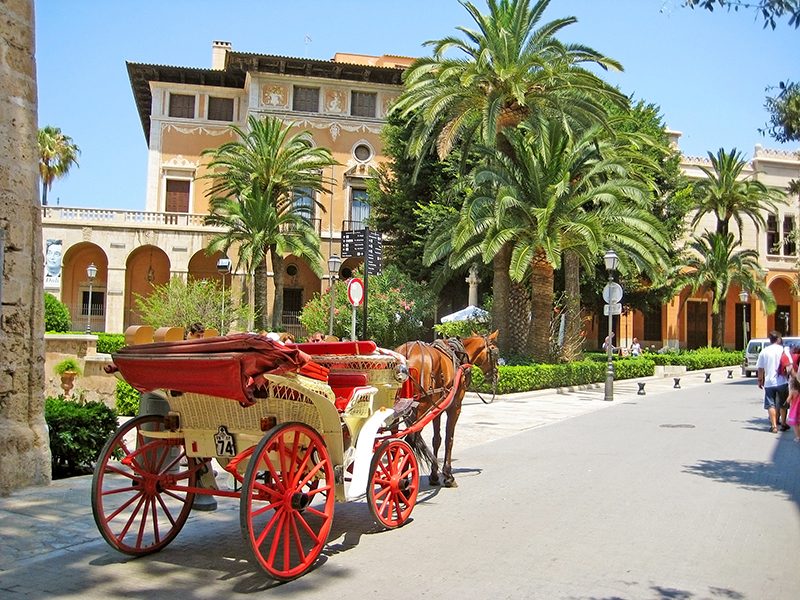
(218, 52)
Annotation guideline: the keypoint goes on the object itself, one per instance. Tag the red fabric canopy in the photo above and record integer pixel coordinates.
(229, 367)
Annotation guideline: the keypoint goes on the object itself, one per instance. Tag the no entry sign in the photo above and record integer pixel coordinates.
(355, 291)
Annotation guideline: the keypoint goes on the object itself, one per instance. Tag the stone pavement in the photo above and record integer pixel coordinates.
(44, 527)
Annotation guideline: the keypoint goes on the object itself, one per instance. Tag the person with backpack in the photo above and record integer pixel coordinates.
(774, 364)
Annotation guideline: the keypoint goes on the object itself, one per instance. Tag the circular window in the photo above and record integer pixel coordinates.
(291, 270)
(362, 152)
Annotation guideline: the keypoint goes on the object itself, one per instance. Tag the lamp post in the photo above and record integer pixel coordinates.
(334, 262)
(91, 273)
(611, 261)
(223, 267)
(744, 297)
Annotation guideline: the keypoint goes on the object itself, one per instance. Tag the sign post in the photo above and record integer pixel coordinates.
(367, 244)
(355, 294)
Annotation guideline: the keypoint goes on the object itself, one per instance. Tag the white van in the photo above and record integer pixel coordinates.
(754, 348)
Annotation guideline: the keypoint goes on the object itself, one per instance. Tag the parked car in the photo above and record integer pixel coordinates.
(754, 348)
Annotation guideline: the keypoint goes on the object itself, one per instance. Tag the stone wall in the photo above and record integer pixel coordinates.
(24, 447)
(94, 383)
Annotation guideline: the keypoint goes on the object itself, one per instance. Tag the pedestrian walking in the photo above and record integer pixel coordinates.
(772, 379)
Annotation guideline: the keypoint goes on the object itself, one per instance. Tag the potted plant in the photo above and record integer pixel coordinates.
(68, 369)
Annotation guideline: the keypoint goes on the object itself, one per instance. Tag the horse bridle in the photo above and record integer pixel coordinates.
(494, 355)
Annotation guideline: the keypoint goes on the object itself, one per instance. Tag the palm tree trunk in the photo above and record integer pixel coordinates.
(718, 326)
(573, 342)
(260, 296)
(542, 283)
(519, 318)
(277, 277)
(501, 285)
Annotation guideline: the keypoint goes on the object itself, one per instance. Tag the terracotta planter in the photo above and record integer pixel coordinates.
(68, 381)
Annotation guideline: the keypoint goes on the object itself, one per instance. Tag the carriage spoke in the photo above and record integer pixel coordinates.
(276, 520)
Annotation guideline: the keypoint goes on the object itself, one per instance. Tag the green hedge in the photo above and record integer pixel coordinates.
(77, 434)
(127, 399)
(538, 377)
(108, 343)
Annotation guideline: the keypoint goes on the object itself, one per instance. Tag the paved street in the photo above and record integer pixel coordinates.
(678, 494)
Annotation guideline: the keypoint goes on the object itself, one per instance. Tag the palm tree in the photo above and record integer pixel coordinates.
(511, 67)
(254, 181)
(715, 265)
(57, 154)
(730, 196)
(556, 195)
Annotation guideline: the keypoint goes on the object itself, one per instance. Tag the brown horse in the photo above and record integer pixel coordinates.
(432, 368)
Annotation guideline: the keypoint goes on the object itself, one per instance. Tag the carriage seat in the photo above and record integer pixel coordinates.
(343, 386)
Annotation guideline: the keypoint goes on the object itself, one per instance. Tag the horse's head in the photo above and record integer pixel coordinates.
(483, 352)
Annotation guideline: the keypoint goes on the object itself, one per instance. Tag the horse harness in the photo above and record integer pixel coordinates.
(453, 348)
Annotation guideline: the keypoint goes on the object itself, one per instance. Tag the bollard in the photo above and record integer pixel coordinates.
(708, 378)
(677, 385)
(641, 391)
(730, 373)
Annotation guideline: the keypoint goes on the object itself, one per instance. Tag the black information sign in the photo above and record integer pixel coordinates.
(369, 245)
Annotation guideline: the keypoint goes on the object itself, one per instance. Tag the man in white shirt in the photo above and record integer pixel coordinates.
(774, 383)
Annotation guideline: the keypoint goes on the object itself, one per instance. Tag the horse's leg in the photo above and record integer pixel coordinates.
(453, 412)
(437, 442)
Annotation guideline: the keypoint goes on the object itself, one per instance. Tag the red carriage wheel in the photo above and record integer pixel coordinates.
(287, 500)
(394, 483)
(134, 501)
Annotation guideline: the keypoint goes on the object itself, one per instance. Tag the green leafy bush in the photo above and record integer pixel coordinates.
(68, 364)
(56, 315)
(127, 399)
(462, 329)
(397, 308)
(108, 343)
(77, 434)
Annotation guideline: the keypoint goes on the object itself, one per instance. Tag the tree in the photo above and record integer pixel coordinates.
(770, 10)
(511, 68)
(179, 304)
(57, 154)
(729, 196)
(255, 180)
(556, 193)
(714, 264)
(784, 110)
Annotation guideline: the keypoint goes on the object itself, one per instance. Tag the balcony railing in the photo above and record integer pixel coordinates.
(123, 217)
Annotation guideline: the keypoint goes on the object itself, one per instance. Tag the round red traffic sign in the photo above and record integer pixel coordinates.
(355, 291)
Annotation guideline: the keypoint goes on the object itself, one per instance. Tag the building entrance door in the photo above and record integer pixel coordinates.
(696, 325)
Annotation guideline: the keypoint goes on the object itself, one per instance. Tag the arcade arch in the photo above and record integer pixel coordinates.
(75, 286)
(146, 267)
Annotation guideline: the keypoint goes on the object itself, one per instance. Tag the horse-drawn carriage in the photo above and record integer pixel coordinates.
(296, 427)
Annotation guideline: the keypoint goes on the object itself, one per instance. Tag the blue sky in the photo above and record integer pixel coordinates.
(707, 72)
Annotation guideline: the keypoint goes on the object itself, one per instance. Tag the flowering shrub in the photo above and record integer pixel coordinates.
(397, 309)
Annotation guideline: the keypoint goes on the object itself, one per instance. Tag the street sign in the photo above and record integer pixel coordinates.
(353, 243)
(355, 291)
(613, 309)
(612, 293)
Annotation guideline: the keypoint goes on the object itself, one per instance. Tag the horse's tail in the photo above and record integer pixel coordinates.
(421, 450)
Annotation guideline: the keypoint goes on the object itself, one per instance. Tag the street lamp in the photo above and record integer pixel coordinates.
(611, 261)
(744, 297)
(223, 267)
(91, 273)
(334, 263)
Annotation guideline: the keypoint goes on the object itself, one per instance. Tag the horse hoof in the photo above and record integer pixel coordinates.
(450, 483)
(433, 480)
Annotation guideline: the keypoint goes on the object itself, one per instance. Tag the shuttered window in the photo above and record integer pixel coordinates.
(305, 99)
(363, 104)
(181, 106)
(220, 109)
(178, 195)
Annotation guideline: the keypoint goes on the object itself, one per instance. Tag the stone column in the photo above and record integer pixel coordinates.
(24, 444)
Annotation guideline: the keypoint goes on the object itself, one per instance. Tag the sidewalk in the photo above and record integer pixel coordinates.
(38, 521)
